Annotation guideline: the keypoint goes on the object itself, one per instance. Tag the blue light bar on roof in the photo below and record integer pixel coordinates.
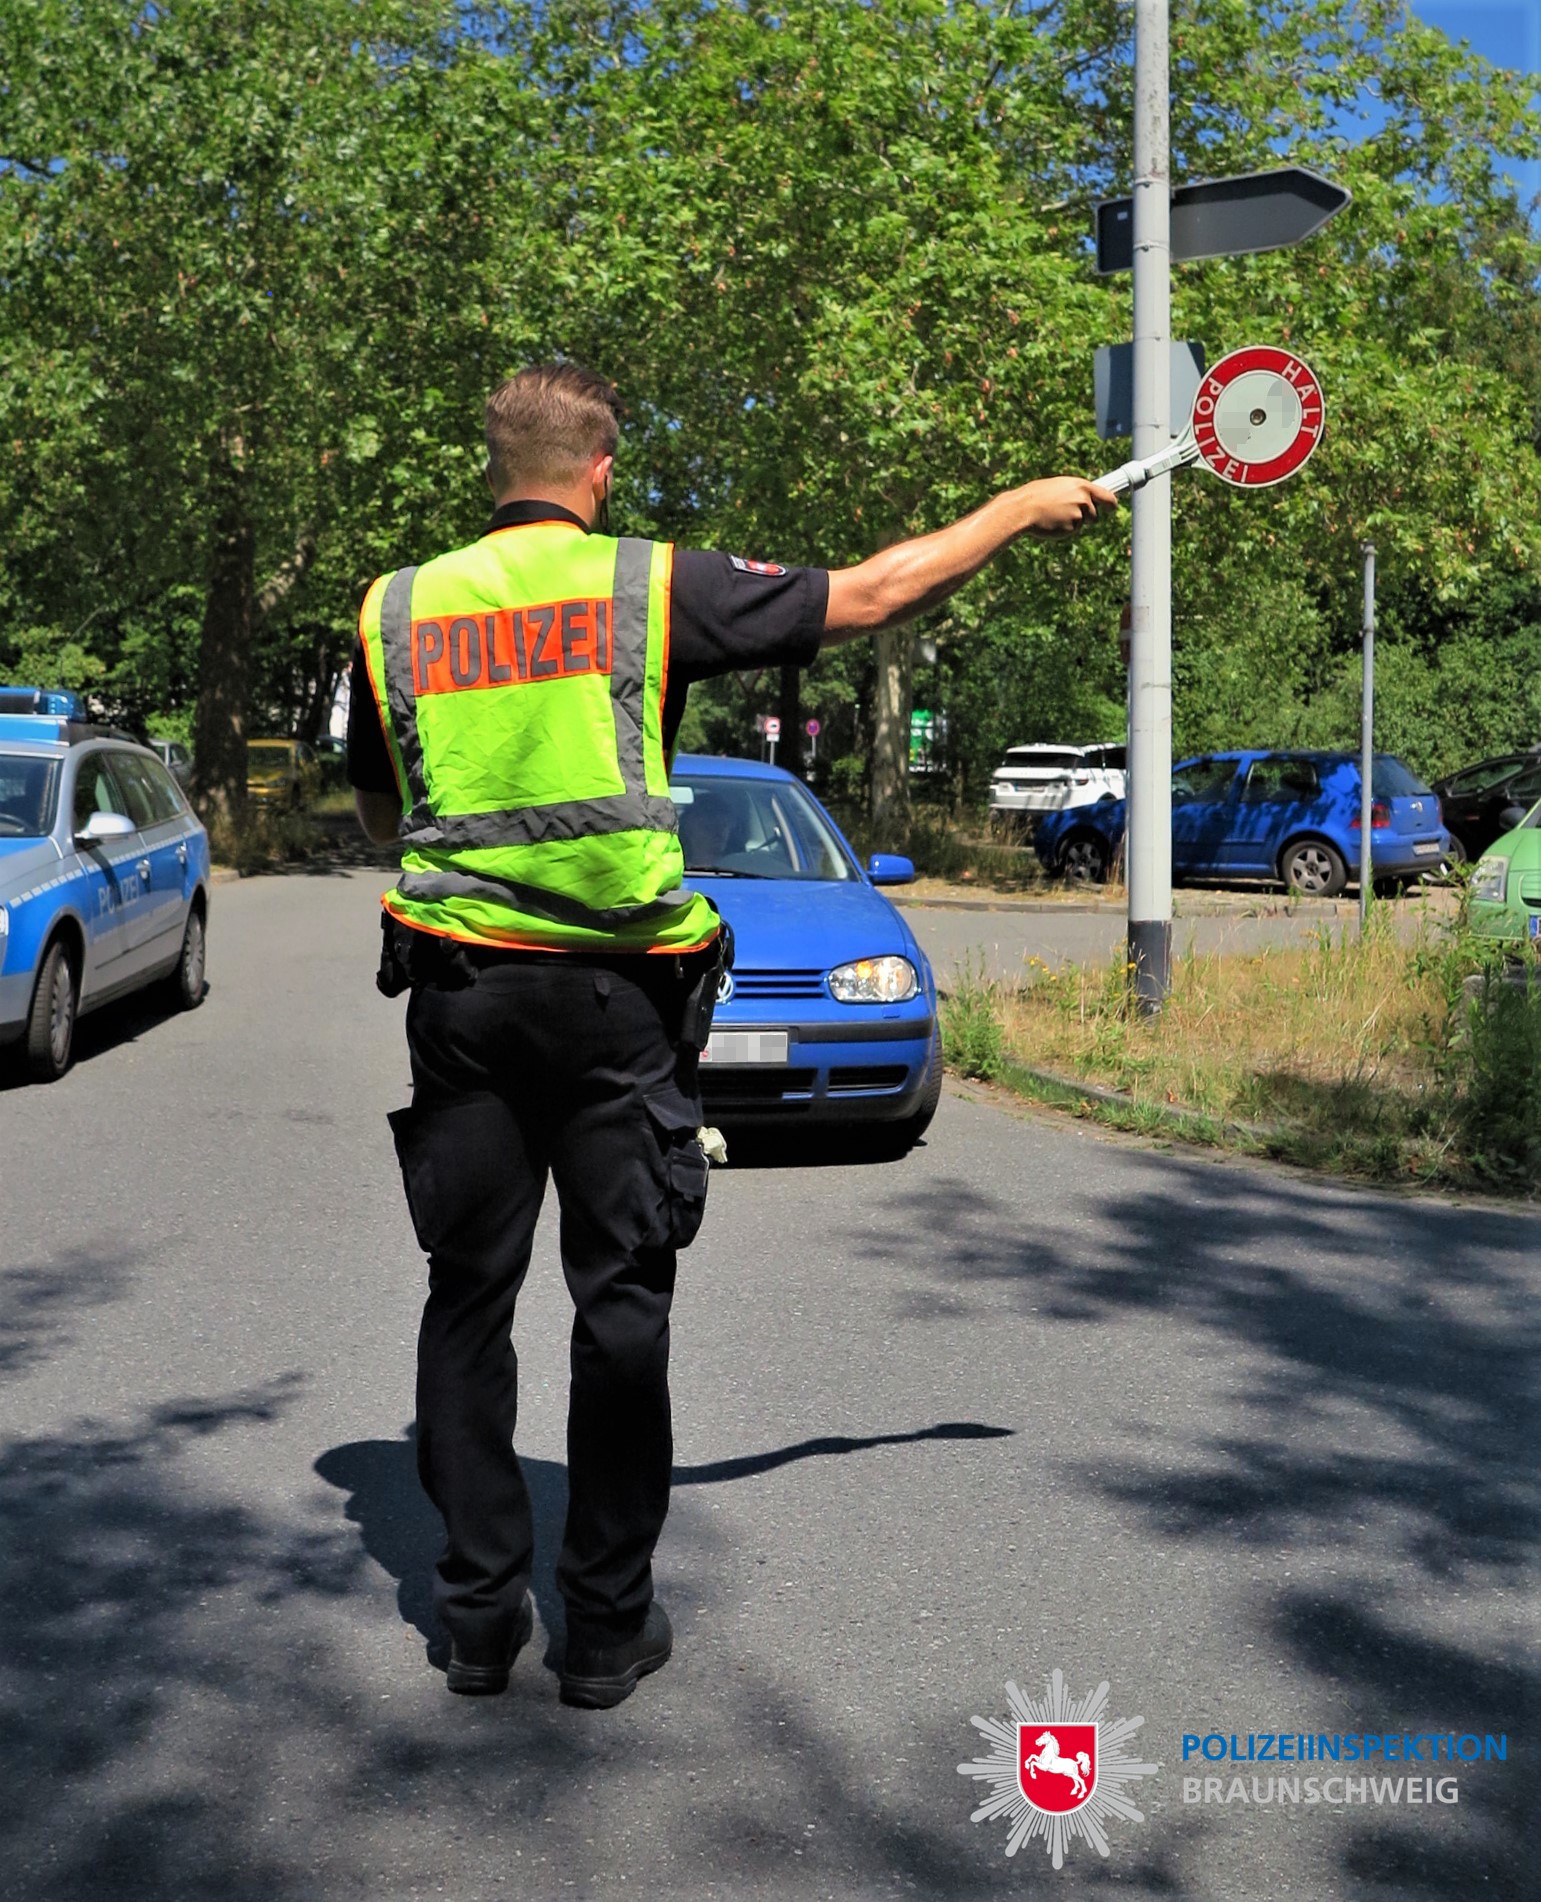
(51, 702)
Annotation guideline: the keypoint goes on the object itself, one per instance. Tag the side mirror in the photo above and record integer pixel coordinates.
(102, 826)
(887, 868)
(1511, 816)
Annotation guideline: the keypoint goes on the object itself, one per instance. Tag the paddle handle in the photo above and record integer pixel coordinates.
(1134, 475)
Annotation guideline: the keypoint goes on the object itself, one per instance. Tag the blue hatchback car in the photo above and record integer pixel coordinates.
(1289, 816)
(104, 882)
(829, 1014)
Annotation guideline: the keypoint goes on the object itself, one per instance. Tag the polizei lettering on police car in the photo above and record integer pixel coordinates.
(555, 641)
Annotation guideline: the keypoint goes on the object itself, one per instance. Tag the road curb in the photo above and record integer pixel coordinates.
(1002, 904)
(1045, 1084)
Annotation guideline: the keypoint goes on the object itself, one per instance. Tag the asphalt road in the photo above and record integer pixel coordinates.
(1256, 1451)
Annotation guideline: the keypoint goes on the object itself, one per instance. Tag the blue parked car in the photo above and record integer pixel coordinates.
(104, 882)
(1293, 817)
(829, 1014)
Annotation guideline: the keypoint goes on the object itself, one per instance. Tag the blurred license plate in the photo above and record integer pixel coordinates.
(1426, 848)
(746, 1046)
(1535, 924)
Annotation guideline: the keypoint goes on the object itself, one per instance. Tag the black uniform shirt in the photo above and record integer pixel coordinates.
(728, 615)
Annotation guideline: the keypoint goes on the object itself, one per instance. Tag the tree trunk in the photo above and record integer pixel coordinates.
(224, 661)
(788, 706)
(890, 784)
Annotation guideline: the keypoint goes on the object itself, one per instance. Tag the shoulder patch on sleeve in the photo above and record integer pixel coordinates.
(756, 567)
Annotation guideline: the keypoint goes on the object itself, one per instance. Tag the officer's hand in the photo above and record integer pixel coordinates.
(1060, 505)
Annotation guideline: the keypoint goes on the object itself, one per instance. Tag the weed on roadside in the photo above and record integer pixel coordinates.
(1356, 1053)
(263, 839)
(973, 1030)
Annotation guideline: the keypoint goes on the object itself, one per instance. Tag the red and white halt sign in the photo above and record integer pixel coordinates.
(1258, 416)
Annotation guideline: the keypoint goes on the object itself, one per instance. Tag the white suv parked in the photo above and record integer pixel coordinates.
(1032, 780)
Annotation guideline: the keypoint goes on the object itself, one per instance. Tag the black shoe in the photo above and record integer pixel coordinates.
(595, 1676)
(487, 1680)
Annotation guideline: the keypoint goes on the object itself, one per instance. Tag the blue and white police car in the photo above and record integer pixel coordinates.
(829, 1015)
(104, 880)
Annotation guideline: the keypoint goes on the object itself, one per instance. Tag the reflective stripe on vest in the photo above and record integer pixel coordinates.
(510, 891)
(634, 810)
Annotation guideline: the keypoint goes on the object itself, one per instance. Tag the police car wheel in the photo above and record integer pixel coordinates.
(51, 1021)
(186, 981)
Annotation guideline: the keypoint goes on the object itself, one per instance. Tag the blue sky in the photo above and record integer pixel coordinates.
(1507, 32)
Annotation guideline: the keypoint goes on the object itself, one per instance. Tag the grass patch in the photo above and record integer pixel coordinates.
(1370, 1058)
(973, 1033)
(265, 839)
(334, 801)
(958, 854)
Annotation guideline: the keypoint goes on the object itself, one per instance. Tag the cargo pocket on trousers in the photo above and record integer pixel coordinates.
(675, 1120)
(416, 1173)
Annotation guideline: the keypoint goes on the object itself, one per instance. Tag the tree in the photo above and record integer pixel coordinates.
(263, 260)
(213, 226)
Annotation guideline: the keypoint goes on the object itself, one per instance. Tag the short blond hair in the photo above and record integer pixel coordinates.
(547, 424)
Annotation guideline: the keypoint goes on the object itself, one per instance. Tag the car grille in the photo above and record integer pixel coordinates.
(751, 984)
(770, 1088)
(856, 1079)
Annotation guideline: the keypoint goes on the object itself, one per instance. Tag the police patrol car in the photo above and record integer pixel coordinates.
(104, 876)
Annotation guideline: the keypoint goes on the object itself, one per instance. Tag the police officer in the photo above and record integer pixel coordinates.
(523, 694)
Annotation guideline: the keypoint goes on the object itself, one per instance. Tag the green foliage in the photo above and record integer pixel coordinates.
(266, 257)
(973, 1029)
(1496, 1065)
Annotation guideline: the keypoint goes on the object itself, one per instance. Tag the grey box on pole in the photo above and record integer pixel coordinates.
(1113, 381)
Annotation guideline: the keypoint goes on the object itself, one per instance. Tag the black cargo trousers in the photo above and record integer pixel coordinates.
(580, 1070)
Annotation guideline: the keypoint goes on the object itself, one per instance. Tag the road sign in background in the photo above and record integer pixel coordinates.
(1227, 217)
(1113, 381)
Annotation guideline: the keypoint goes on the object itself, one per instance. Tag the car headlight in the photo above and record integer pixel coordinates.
(874, 981)
(5, 920)
(1490, 880)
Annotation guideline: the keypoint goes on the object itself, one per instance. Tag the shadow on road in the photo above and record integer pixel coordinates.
(178, 1720)
(1375, 1400)
(126, 1021)
(39, 1302)
(794, 1148)
(403, 1534)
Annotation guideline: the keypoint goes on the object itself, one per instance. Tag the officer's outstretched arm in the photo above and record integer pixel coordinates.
(907, 579)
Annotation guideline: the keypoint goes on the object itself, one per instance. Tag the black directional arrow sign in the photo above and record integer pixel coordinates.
(1227, 217)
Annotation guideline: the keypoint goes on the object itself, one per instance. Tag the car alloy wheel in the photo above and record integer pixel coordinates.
(188, 977)
(51, 1022)
(1315, 869)
(1084, 859)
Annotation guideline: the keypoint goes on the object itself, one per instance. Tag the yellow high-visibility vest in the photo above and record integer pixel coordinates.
(521, 683)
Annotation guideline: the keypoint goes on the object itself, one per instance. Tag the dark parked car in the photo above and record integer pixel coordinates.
(1476, 799)
(1293, 817)
(176, 759)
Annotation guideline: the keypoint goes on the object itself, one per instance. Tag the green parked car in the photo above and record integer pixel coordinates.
(1506, 885)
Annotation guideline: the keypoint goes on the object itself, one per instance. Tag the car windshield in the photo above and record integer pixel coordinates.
(1477, 779)
(1043, 757)
(755, 828)
(29, 790)
(1390, 779)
